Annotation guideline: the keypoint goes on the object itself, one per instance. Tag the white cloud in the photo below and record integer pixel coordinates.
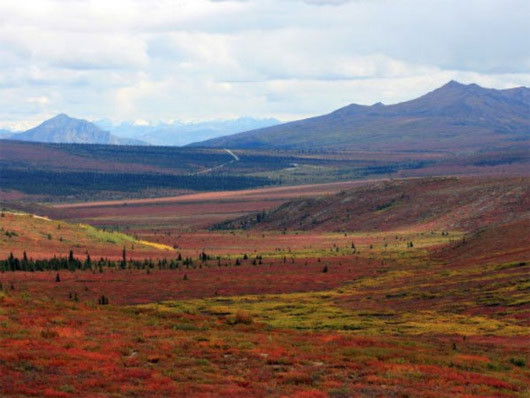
(200, 59)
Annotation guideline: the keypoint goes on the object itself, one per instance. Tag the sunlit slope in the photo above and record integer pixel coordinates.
(42, 237)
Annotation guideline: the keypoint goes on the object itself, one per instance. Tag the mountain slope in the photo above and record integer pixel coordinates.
(452, 117)
(64, 129)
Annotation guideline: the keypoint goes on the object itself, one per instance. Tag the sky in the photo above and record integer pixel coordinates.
(193, 60)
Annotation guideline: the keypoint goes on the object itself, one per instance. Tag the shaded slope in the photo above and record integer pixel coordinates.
(454, 117)
(448, 203)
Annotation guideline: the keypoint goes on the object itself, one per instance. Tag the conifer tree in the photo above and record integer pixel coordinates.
(124, 259)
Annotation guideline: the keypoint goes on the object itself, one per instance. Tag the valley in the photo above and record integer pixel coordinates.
(264, 199)
(377, 251)
(429, 288)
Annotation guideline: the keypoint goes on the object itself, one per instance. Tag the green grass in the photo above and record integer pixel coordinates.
(113, 237)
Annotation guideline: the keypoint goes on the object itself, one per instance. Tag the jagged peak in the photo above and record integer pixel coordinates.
(455, 85)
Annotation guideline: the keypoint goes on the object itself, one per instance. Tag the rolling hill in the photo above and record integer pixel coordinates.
(454, 117)
(68, 130)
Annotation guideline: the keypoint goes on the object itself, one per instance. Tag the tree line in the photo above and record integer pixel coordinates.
(73, 263)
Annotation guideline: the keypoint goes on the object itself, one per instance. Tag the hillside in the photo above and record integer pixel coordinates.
(454, 117)
(68, 130)
(41, 237)
(491, 244)
(430, 203)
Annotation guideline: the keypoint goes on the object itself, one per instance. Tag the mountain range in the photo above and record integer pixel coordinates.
(454, 117)
(65, 129)
(180, 133)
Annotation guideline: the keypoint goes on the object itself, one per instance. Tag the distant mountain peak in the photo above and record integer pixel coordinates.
(61, 116)
(67, 130)
(452, 84)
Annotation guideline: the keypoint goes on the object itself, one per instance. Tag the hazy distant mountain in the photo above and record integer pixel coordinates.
(179, 133)
(5, 133)
(454, 117)
(65, 129)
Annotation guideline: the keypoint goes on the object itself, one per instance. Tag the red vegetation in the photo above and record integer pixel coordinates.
(54, 349)
(206, 280)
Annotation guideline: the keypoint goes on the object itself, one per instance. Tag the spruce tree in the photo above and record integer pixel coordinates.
(124, 259)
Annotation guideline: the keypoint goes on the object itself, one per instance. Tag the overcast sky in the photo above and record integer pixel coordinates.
(200, 59)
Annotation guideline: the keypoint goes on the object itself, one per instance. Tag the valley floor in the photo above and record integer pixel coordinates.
(382, 322)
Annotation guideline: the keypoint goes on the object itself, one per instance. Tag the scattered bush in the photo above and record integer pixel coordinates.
(520, 362)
